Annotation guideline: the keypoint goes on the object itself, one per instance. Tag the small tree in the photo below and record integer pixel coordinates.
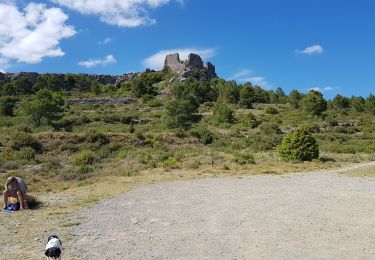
(23, 86)
(358, 103)
(370, 104)
(222, 113)
(299, 145)
(340, 102)
(246, 96)
(295, 98)
(182, 108)
(44, 105)
(314, 103)
(7, 105)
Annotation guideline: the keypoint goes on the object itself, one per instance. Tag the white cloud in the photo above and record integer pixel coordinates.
(31, 34)
(109, 59)
(246, 75)
(123, 13)
(105, 41)
(156, 61)
(324, 89)
(241, 74)
(311, 50)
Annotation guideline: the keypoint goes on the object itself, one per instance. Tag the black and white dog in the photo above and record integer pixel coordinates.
(53, 247)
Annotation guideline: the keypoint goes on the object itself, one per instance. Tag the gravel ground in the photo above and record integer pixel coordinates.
(323, 215)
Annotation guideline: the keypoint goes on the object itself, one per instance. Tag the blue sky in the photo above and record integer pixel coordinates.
(293, 44)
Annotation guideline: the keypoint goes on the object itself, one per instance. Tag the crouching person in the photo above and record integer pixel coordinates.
(15, 187)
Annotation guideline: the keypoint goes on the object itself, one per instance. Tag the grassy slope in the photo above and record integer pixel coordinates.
(152, 154)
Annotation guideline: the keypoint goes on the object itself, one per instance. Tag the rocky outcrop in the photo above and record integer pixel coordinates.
(191, 68)
(173, 63)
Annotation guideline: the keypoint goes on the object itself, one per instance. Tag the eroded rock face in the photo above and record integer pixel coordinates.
(191, 68)
(194, 62)
(211, 70)
(173, 63)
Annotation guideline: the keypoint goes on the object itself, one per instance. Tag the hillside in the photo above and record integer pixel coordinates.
(70, 128)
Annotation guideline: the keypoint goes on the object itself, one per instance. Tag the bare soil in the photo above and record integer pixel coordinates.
(320, 215)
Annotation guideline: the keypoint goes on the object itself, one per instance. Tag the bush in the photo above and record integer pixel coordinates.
(195, 164)
(85, 169)
(44, 105)
(181, 111)
(250, 120)
(26, 153)
(223, 113)
(263, 142)
(244, 158)
(313, 103)
(271, 111)
(203, 134)
(20, 140)
(270, 128)
(85, 157)
(299, 145)
(97, 138)
(170, 163)
(7, 105)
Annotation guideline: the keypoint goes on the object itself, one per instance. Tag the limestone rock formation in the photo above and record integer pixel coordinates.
(191, 68)
(173, 63)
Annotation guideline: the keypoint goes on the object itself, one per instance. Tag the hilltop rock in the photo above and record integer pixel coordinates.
(191, 68)
(194, 62)
(173, 63)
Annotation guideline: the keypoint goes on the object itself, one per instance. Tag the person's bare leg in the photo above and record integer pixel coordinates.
(26, 204)
(5, 197)
(21, 200)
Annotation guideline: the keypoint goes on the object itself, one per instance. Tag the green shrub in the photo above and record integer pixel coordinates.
(26, 154)
(313, 103)
(170, 163)
(299, 145)
(7, 105)
(44, 105)
(9, 166)
(181, 133)
(250, 120)
(195, 164)
(98, 138)
(270, 128)
(244, 158)
(85, 157)
(262, 142)
(271, 111)
(226, 167)
(155, 103)
(181, 108)
(223, 113)
(85, 169)
(20, 140)
(203, 134)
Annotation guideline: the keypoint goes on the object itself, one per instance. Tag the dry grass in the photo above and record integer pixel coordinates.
(25, 232)
(368, 172)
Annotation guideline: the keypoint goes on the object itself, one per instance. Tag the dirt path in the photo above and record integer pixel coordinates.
(322, 215)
